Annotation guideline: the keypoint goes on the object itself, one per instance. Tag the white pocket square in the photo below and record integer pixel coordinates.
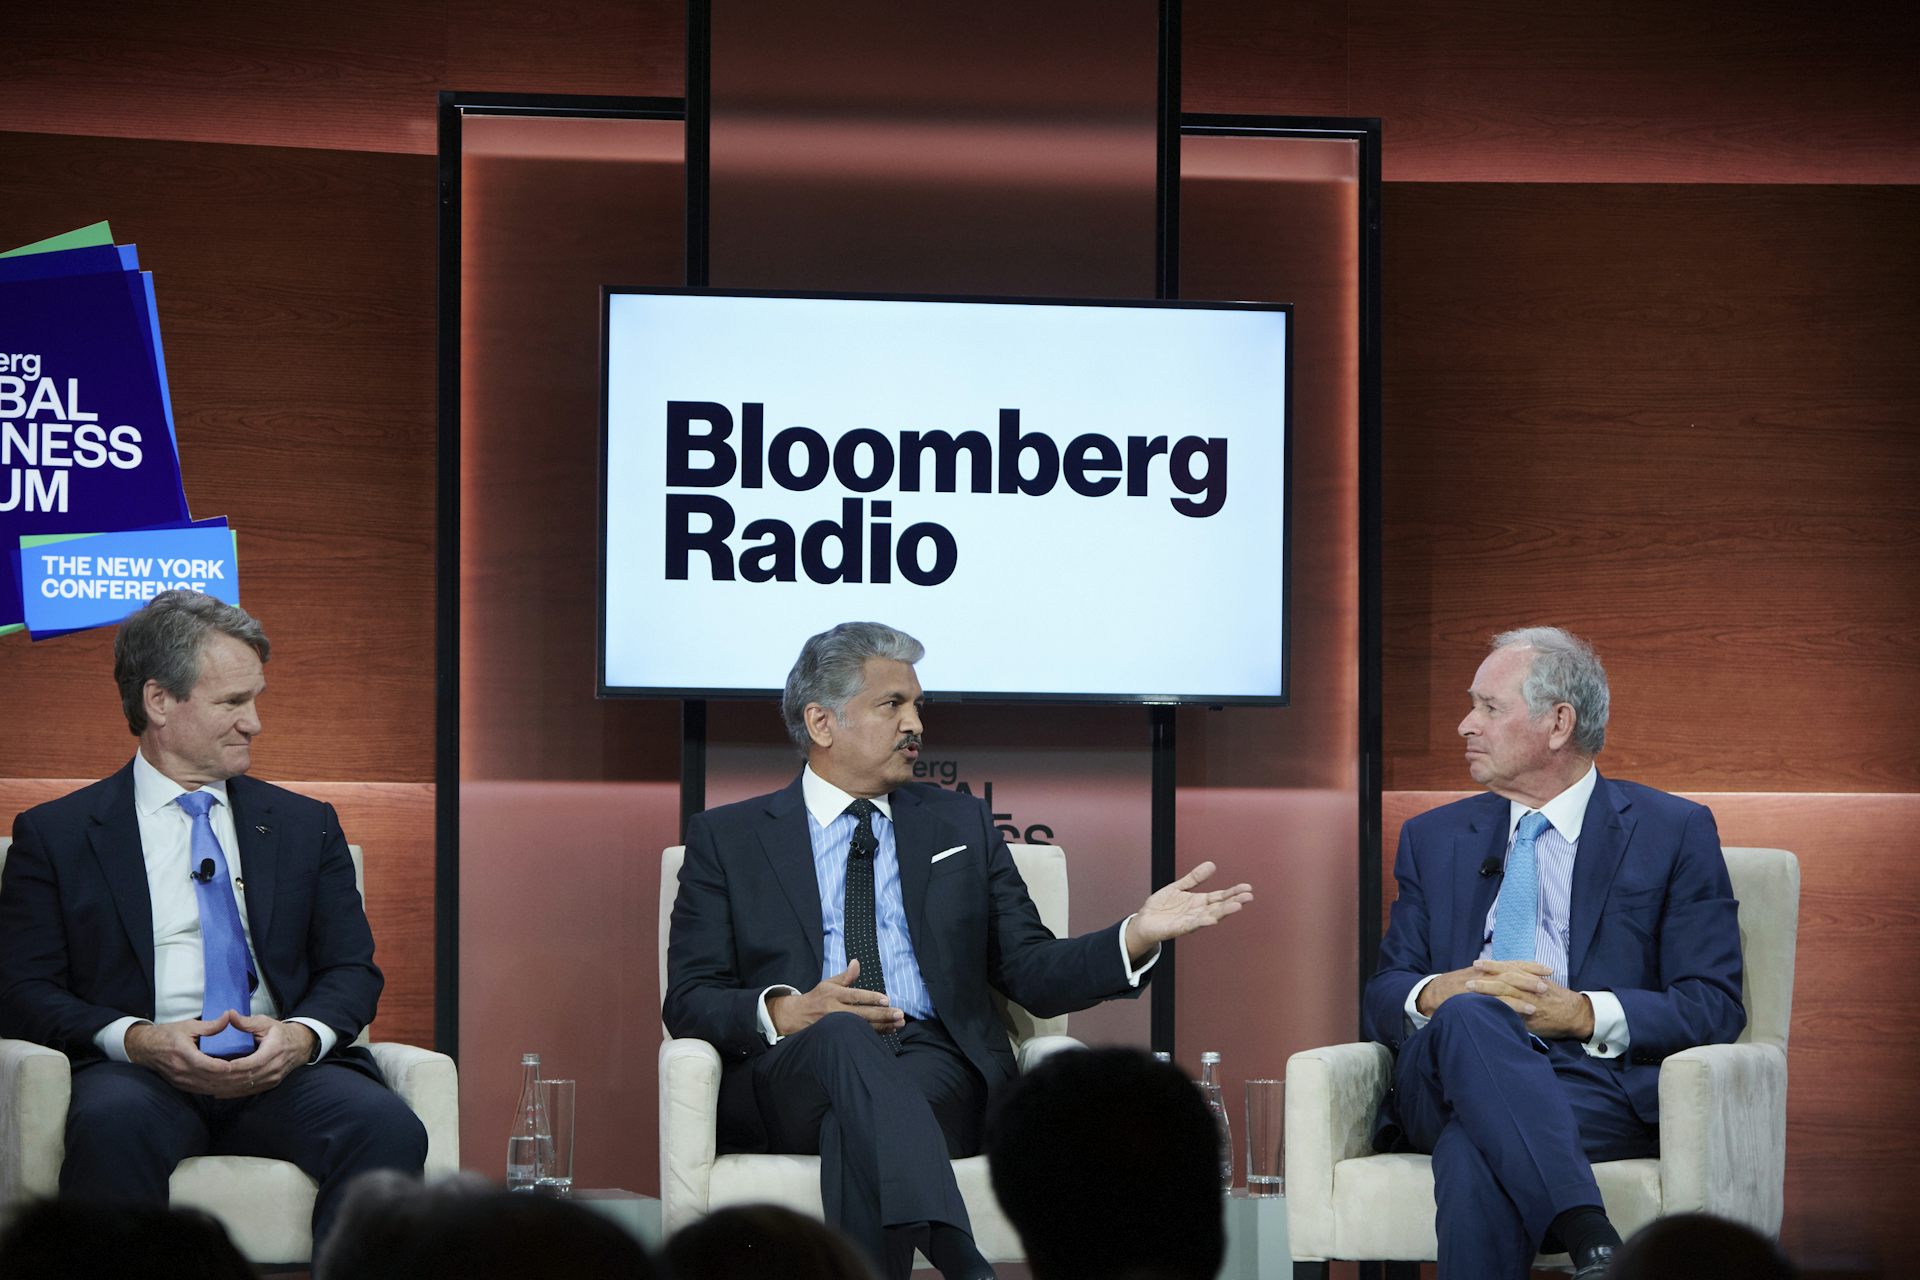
(948, 853)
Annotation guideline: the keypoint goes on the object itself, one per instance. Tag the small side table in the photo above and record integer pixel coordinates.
(639, 1214)
(1257, 1247)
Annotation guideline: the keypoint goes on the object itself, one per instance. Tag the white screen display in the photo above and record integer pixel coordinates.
(1073, 501)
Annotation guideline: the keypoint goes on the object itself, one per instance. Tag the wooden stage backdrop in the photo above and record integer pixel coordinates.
(1650, 299)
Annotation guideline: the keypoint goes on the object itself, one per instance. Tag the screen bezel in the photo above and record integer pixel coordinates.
(1285, 586)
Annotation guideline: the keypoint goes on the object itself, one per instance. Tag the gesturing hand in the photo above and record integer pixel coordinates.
(791, 1013)
(1176, 910)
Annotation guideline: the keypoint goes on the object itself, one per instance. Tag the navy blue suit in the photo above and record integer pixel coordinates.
(1511, 1126)
(77, 953)
(748, 917)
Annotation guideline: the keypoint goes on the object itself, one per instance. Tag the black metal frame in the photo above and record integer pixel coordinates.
(1366, 133)
(454, 106)
(694, 111)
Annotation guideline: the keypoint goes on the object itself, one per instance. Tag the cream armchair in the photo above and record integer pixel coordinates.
(694, 1180)
(265, 1205)
(1723, 1116)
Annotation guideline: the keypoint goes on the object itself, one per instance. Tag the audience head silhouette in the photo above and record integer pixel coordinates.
(1699, 1246)
(762, 1242)
(84, 1239)
(1108, 1164)
(393, 1228)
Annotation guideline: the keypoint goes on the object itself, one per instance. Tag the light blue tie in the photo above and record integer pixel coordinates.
(1515, 919)
(229, 980)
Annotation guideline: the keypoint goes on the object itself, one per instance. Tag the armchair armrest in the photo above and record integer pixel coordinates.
(1031, 1053)
(1723, 1133)
(429, 1083)
(35, 1087)
(1332, 1094)
(689, 1114)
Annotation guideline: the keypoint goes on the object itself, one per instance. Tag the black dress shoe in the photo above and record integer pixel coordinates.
(1594, 1263)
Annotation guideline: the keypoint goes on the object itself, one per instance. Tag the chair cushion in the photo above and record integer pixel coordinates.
(265, 1205)
(794, 1181)
(1383, 1205)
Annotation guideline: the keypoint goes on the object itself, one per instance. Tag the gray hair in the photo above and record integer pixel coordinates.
(831, 667)
(162, 642)
(1565, 669)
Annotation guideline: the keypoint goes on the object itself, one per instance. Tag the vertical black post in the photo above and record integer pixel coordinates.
(1162, 843)
(446, 622)
(1166, 264)
(693, 711)
(699, 130)
(1372, 745)
(693, 759)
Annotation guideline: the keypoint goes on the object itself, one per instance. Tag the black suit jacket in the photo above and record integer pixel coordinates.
(748, 917)
(76, 918)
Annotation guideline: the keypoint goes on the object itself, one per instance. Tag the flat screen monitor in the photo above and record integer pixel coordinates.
(1064, 500)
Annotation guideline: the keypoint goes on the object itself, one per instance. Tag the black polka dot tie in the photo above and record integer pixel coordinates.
(862, 931)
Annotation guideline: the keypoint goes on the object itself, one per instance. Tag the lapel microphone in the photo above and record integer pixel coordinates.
(205, 873)
(1490, 868)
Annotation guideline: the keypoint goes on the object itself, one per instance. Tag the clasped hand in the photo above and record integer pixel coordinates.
(791, 1013)
(172, 1050)
(1551, 1011)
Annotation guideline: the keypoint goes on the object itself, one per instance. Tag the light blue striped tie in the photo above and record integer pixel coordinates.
(1515, 920)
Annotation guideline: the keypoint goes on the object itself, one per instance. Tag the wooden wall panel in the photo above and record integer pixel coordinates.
(1849, 1056)
(354, 76)
(530, 436)
(295, 293)
(1506, 91)
(1680, 421)
(393, 825)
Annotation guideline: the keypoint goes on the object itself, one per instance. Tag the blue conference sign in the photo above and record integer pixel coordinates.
(86, 429)
(93, 580)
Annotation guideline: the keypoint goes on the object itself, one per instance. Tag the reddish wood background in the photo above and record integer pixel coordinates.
(1650, 308)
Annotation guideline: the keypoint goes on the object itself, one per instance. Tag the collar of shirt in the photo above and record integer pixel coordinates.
(827, 802)
(154, 791)
(1565, 813)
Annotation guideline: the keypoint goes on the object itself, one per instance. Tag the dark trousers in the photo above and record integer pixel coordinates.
(127, 1128)
(1512, 1128)
(884, 1125)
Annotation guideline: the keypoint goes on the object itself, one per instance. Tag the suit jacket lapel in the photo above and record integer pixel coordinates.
(115, 837)
(1604, 833)
(1485, 837)
(259, 860)
(789, 851)
(913, 846)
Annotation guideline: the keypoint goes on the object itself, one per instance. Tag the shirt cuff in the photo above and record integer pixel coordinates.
(1126, 961)
(324, 1033)
(765, 1019)
(1610, 1038)
(1415, 1018)
(112, 1038)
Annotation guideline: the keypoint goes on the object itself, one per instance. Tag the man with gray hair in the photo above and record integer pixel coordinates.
(1551, 943)
(838, 942)
(193, 941)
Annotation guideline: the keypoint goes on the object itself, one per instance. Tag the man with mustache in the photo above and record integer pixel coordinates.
(837, 942)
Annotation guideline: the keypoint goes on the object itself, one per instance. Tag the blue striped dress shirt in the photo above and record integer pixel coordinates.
(830, 828)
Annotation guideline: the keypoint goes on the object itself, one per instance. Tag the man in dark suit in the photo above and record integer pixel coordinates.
(1552, 942)
(193, 940)
(837, 942)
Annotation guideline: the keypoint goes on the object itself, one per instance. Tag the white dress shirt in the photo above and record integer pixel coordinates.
(827, 804)
(179, 964)
(1555, 852)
